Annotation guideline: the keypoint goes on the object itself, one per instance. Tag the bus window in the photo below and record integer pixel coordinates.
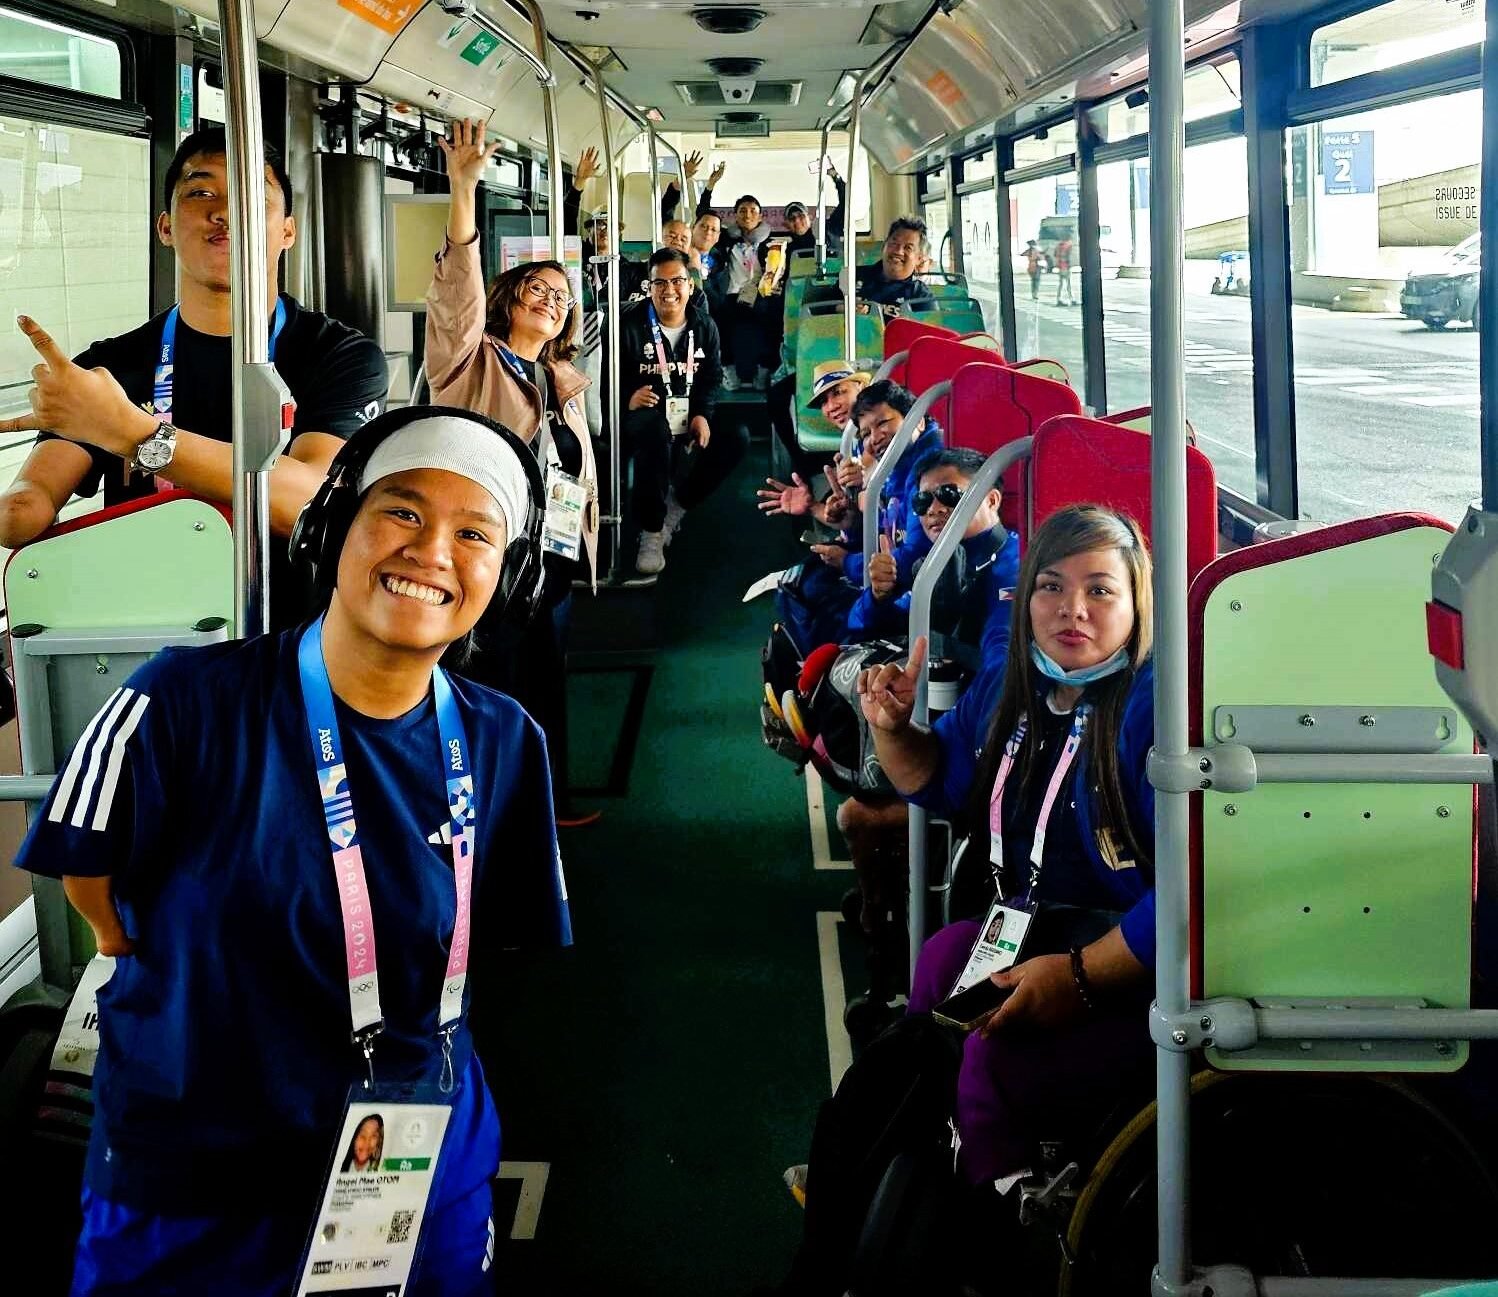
(36, 49)
(1384, 211)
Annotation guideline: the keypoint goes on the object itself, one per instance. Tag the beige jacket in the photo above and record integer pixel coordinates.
(465, 369)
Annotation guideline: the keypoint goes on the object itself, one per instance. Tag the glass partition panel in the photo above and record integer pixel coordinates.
(980, 253)
(1043, 216)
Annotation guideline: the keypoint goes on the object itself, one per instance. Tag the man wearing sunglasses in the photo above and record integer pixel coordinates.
(971, 603)
(670, 363)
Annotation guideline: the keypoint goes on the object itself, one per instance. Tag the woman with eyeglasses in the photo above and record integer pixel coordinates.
(508, 354)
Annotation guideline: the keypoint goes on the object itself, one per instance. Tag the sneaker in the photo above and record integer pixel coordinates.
(730, 380)
(674, 515)
(795, 1181)
(652, 556)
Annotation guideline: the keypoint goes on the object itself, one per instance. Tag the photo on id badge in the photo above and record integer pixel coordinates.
(562, 530)
(677, 410)
(376, 1199)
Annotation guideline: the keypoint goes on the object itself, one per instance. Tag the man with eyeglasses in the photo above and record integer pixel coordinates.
(671, 365)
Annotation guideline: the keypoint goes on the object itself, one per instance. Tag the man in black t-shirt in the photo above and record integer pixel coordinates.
(151, 409)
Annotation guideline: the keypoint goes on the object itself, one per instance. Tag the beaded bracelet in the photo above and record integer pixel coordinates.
(1079, 979)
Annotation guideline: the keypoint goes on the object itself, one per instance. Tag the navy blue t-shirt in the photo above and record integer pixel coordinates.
(225, 1037)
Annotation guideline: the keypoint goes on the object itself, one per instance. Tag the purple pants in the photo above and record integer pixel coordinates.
(1017, 1087)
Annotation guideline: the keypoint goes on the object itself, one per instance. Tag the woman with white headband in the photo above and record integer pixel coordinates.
(292, 846)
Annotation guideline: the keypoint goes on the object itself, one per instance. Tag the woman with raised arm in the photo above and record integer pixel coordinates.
(508, 354)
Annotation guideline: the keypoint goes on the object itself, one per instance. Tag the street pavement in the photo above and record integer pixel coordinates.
(1386, 410)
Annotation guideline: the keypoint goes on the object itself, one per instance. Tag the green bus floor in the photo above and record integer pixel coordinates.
(669, 1067)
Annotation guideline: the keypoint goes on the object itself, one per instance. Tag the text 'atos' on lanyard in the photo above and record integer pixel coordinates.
(1053, 790)
(665, 360)
(348, 859)
(161, 384)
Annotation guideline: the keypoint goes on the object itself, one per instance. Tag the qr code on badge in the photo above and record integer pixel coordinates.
(400, 1227)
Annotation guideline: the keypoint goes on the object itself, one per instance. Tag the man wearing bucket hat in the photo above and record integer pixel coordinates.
(835, 386)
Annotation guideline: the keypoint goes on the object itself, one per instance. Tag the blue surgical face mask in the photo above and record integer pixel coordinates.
(1053, 670)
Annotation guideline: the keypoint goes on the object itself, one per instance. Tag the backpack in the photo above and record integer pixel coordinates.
(880, 1176)
(826, 713)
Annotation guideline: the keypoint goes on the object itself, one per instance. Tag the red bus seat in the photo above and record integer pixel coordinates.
(992, 405)
(1077, 460)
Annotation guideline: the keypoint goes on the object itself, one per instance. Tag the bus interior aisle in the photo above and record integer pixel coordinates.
(662, 1074)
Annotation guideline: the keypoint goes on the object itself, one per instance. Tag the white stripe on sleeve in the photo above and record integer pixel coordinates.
(69, 778)
(95, 768)
(116, 760)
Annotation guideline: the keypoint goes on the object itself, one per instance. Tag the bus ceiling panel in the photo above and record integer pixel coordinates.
(402, 86)
(346, 39)
(987, 60)
(455, 60)
(266, 13)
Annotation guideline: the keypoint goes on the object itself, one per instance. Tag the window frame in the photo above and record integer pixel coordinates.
(59, 106)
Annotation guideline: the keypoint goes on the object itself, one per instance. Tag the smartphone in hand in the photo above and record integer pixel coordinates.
(968, 1008)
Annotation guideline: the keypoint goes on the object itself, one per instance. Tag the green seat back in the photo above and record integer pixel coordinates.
(870, 249)
(138, 579)
(795, 293)
(1327, 891)
(820, 339)
(962, 315)
(803, 262)
(637, 249)
(944, 290)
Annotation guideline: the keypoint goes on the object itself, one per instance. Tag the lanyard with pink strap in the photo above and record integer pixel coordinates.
(348, 859)
(1052, 792)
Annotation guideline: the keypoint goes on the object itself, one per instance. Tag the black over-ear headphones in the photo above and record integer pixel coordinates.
(317, 539)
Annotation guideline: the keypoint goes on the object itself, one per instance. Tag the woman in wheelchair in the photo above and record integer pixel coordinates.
(1052, 780)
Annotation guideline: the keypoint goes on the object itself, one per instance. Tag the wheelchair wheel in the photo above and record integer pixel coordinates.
(1309, 1176)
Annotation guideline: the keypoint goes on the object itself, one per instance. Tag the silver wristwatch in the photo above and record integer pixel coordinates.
(156, 451)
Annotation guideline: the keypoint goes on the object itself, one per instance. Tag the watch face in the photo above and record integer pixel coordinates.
(154, 454)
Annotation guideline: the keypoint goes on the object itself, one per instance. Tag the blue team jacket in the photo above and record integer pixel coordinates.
(963, 732)
(895, 507)
(992, 556)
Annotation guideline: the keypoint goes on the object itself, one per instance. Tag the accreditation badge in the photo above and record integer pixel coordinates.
(1001, 939)
(566, 504)
(678, 414)
(377, 1193)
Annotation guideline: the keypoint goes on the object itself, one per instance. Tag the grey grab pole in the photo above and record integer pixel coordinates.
(655, 182)
(891, 363)
(556, 190)
(886, 465)
(1167, 142)
(822, 202)
(868, 78)
(259, 393)
(615, 516)
(987, 477)
(850, 230)
(1487, 288)
(688, 198)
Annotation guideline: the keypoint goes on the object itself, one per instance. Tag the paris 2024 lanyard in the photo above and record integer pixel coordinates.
(384, 1162)
(1001, 937)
